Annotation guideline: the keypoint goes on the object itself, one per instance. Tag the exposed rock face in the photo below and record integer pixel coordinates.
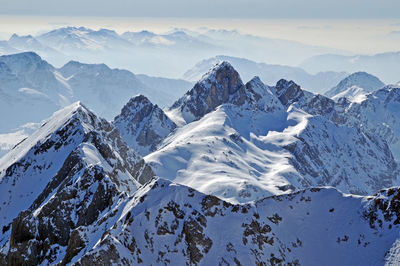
(215, 88)
(222, 85)
(173, 224)
(167, 223)
(288, 91)
(143, 125)
(69, 172)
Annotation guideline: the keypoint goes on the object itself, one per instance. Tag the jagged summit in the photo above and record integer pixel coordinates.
(215, 88)
(220, 85)
(143, 125)
(18, 37)
(219, 70)
(68, 29)
(288, 91)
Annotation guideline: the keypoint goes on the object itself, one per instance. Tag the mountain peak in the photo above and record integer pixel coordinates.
(72, 67)
(25, 62)
(215, 88)
(139, 99)
(288, 91)
(136, 105)
(143, 125)
(16, 37)
(219, 71)
(362, 80)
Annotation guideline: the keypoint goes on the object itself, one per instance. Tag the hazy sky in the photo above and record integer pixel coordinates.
(357, 26)
(265, 9)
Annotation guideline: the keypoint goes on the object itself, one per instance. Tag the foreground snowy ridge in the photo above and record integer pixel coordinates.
(167, 223)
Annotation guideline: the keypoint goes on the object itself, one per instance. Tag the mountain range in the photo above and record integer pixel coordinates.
(231, 173)
(158, 54)
(31, 88)
(269, 73)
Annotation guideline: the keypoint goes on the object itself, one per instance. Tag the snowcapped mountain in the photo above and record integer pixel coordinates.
(29, 43)
(143, 125)
(104, 90)
(75, 193)
(244, 142)
(32, 89)
(270, 74)
(355, 87)
(66, 173)
(81, 39)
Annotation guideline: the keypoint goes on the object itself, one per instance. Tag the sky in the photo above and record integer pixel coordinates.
(260, 9)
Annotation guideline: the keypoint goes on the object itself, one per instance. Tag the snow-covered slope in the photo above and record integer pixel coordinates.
(166, 223)
(243, 142)
(379, 115)
(143, 125)
(269, 74)
(355, 87)
(71, 140)
(353, 94)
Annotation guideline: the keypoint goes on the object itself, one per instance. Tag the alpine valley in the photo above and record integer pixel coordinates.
(231, 173)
